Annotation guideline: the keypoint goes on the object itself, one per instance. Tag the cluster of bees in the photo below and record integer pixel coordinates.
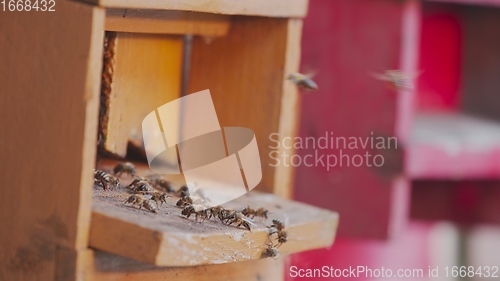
(148, 193)
(277, 233)
(151, 192)
(225, 216)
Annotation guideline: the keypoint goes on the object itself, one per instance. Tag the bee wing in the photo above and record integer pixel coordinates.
(310, 74)
(379, 76)
(249, 221)
(413, 76)
(310, 84)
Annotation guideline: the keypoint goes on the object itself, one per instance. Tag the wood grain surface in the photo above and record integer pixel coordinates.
(168, 239)
(275, 8)
(50, 95)
(167, 22)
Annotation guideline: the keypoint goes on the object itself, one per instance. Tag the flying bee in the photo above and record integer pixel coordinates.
(278, 228)
(140, 186)
(201, 215)
(138, 200)
(127, 168)
(106, 180)
(303, 81)
(238, 219)
(184, 201)
(252, 213)
(270, 252)
(183, 191)
(397, 79)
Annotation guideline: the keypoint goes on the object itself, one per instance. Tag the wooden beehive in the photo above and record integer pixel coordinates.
(446, 165)
(453, 160)
(62, 107)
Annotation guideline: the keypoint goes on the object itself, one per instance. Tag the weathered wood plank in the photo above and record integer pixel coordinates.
(107, 267)
(168, 239)
(275, 8)
(50, 96)
(167, 22)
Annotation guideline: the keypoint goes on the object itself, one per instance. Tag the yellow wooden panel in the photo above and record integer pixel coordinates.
(146, 73)
(246, 73)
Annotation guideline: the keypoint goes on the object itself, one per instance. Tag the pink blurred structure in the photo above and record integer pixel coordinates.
(447, 164)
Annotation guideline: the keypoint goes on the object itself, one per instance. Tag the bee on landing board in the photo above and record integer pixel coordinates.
(140, 186)
(184, 201)
(160, 184)
(278, 228)
(106, 180)
(127, 168)
(138, 200)
(252, 213)
(159, 198)
(148, 205)
(183, 191)
(270, 251)
(201, 214)
(238, 219)
(217, 211)
(397, 79)
(304, 82)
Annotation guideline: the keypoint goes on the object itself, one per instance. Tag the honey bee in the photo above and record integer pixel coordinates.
(140, 186)
(251, 213)
(238, 219)
(138, 200)
(162, 185)
(183, 191)
(106, 180)
(270, 252)
(303, 81)
(127, 168)
(278, 228)
(216, 211)
(397, 79)
(148, 205)
(188, 211)
(134, 200)
(201, 215)
(184, 201)
(159, 198)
